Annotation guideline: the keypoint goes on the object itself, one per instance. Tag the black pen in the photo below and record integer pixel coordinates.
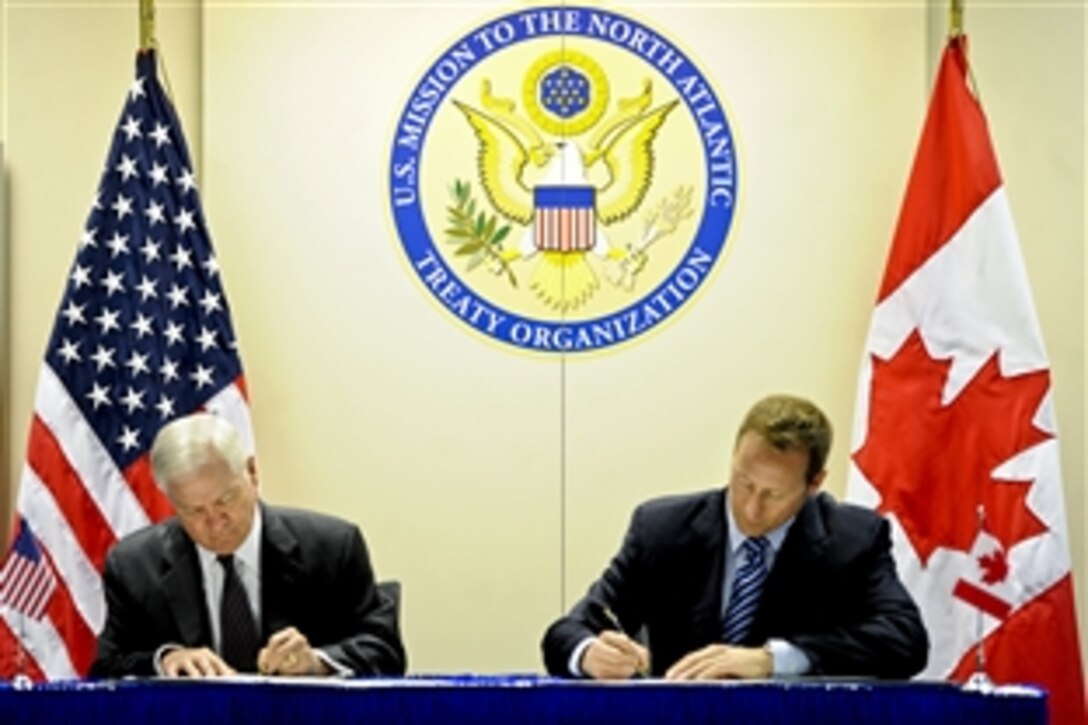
(643, 670)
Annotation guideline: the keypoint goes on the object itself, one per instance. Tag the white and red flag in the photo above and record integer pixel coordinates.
(143, 335)
(955, 436)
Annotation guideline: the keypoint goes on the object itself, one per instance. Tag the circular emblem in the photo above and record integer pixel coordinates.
(563, 179)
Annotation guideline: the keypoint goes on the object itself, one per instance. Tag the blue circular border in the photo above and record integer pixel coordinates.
(416, 239)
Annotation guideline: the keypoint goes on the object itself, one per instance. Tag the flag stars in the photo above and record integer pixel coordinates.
(137, 363)
(112, 283)
(133, 400)
(131, 128)
(121, 206)
(87, 239)
(168, 370)
(126, 168)
(165, 406)
(146, 288)
(73, 313)
(211, 265)
(210, 302)
(155, 213)
(118, 244)
(161, 135)
(69, 351)
(174, 333)
(201, 376)
(178, 296)
(186, 181)
(98, 396)
(206, 339)
(108, 320)
(136, 90)
(150, 250)
(184, 220)
(141, 325)
(182, 258)
(103, 358)
(81, 276)
(129, 438)
(158, 174)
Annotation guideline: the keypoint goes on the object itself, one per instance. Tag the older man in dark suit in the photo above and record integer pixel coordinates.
(233, 585)
(766, 577)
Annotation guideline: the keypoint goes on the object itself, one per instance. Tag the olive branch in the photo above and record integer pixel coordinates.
(475, 233)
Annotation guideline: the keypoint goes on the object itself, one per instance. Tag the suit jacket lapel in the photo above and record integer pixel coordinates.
(281, 572)
(803, 548)
(710, 539)
(183, 585)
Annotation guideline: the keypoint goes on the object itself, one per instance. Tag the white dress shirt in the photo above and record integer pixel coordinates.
(247, 563)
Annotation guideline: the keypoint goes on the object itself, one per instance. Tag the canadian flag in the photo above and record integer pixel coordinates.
(954, 434)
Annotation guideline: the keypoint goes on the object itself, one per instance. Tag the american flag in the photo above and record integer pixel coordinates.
(143, 335)
(26, 581)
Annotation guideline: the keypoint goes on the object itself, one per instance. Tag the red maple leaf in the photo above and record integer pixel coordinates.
(995, 567)
(932, 463)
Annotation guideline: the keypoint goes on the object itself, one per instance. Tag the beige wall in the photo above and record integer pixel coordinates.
(496, 485)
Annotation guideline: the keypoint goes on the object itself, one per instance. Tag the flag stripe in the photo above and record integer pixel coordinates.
(954, 171)
(51, 467)
(86, 454)
(24, 584)
(232, 403)
(69, 626)
(14, 657)
(70, 562)
(43, 645)
(1033, 642)
(142, 484)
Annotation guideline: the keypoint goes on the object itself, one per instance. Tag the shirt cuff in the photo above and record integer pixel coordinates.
(161, 652)
(575, 663)
(787, 659)
(338, 670)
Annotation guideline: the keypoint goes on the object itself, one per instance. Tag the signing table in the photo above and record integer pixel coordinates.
(522, 700)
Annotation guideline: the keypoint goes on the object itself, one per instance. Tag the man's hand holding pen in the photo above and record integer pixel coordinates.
(613, 655)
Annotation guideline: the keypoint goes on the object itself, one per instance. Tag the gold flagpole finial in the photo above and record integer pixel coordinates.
(955, 18)
(147, 24)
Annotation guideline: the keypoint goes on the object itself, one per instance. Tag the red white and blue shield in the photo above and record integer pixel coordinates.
(565, 218)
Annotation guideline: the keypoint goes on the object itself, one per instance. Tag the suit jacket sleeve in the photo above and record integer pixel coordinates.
(880, 631)
(371, 642)
(126, 645)
(615, 596)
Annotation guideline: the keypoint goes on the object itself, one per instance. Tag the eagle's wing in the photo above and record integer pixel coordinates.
(502, 159)
(629, 157)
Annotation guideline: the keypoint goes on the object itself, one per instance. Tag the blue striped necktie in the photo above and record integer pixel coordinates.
(747, 586)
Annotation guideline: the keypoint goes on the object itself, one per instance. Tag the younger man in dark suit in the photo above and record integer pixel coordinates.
(766, 577)
(232, 585)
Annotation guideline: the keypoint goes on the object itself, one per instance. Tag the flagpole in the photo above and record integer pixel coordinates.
(147, 24)
(955, 18)
(979, 681)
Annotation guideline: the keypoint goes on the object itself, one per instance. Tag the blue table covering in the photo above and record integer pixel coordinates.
(522, 700)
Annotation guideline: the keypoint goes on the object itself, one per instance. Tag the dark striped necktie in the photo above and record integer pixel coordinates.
(238, 637)
(747, 586)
